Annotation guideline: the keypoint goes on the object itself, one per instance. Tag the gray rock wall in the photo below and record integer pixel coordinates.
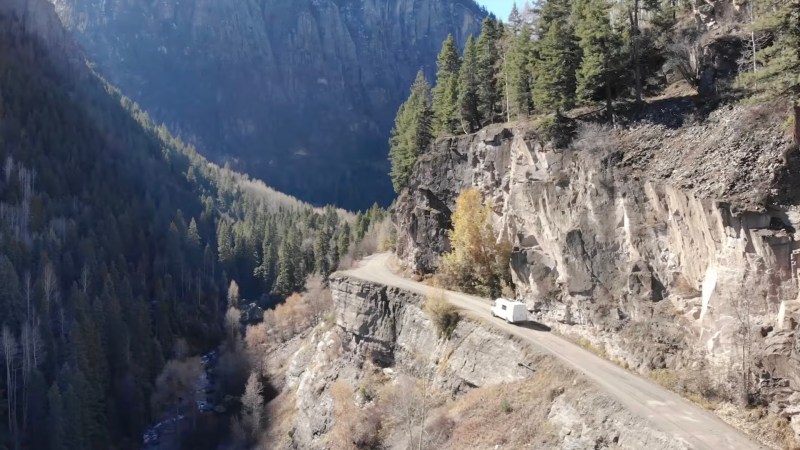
(658, 244)
(388, 325)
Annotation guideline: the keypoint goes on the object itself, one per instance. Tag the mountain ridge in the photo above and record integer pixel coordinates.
(277, 88)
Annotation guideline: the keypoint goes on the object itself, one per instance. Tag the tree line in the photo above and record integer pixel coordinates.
(555, 55)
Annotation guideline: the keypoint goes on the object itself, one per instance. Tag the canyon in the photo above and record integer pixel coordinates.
(276, 88)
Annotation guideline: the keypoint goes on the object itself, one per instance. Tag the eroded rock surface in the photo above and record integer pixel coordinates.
(660, 243)
(388, 327)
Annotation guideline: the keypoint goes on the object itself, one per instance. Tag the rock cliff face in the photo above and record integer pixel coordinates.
(388, 327)
(280, 88)
(667, 245)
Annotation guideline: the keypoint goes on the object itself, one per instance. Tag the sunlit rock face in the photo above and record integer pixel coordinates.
(659, 243)
(301, 93)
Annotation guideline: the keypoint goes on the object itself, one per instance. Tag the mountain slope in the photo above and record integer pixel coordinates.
(117, 243)
(93, 255)
(280, 88)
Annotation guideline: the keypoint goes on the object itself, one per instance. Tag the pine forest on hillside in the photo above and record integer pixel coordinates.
(118, 248)
(558, 55)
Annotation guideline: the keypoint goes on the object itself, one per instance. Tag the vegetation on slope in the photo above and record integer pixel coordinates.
(562, 54)
(117, 244)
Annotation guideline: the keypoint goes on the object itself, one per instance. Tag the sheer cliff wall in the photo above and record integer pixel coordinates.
(669, 246)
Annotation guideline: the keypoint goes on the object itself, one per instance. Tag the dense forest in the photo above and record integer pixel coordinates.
(554, 56)
(118, 244)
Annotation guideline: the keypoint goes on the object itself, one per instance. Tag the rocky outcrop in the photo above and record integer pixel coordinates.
(278, 88)
(676, 236)
(387, 326)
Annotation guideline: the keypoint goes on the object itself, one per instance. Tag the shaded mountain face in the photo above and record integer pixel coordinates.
(301, 93)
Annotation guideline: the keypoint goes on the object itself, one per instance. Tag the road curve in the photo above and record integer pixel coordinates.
(667, 411)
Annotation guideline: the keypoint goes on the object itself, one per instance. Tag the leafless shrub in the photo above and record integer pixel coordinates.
(175, 384)
(595, 138)
(685, 58)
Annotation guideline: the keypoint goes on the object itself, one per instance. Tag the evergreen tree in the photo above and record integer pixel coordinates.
(344, 240)
(599, 44)
(515, 19)
(412, 133)
(193, 235)
(290, 277)
(321, 250)
(488, 48)
(269, 256)
(518, 74)
(468, 88)
(225, 244)
(445, 94)
(777, 72)
(557, 60)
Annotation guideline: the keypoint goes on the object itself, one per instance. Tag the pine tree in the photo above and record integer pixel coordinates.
(225, 246)
(557, 60)
(518, 74)
(468, 88)
(599, 43)
(412, 133)
(445, 94)
(290, 274)
(265, 272)
(193, 235)
(779, 72)
(344, 240)
(488, 48)
(321, 250)
(515, 19)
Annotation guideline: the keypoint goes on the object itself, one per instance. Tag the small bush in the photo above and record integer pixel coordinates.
(506, 407)
(444, 315)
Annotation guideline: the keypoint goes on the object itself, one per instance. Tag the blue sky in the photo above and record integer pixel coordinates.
(500, 8)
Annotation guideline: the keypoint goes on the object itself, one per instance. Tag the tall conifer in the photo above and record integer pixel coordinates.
(468, 87)
(412, 133)
(445, 94)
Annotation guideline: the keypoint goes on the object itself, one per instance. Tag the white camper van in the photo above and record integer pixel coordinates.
(510, 310)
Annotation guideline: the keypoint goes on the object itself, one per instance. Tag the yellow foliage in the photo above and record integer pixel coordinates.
(478, 261)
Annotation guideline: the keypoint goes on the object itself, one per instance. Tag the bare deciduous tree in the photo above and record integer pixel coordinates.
(253, 406)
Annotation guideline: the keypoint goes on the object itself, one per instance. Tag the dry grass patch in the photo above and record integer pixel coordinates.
(511, 415)
(444, 315)
(587, 345)
(354, 427)
(282, 413)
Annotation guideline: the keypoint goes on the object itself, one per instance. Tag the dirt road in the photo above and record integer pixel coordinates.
(698, 428)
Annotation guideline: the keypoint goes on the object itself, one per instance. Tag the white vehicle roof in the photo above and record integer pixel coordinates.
(507, 300)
